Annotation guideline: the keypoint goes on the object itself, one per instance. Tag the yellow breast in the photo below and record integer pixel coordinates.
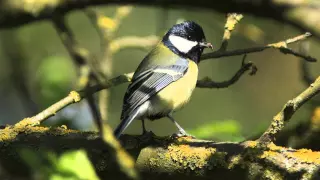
(178, 93)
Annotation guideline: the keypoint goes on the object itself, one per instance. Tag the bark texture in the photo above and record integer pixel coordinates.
(165, 157)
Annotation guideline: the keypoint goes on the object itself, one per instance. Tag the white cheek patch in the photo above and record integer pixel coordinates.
(182, 44)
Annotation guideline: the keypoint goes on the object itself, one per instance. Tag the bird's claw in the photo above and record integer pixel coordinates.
(183, 134)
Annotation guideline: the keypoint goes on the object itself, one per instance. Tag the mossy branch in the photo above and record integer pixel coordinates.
(88, 69)
(177, 157)
(288, 110)
(232, 20)
(166, 157)
(125, 162)
(82, 57)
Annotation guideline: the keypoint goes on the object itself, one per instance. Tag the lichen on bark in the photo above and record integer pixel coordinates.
(168, 157)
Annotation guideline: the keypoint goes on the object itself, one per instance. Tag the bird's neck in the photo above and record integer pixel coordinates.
(194, 54)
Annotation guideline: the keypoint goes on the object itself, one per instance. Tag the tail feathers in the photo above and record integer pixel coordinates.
(125, 123)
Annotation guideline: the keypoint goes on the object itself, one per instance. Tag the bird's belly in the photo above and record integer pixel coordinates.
(175, 95)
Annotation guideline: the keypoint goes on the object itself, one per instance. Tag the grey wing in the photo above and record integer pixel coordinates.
(149, 82)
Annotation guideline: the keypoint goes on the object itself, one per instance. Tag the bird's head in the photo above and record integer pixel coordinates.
(186, 39)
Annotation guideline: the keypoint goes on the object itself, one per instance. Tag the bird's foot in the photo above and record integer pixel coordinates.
(183, 134)
(145, 132)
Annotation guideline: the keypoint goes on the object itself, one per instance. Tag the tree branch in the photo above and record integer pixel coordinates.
(74, 97)
(70, 43)
(232, 20)
(80, 55)
(83, 59)
(106, 28)
(203, 83)
(288, 110)
(86, 63)
(133, 42)
(208, 83)
(281, 45)
(169, 158)
(125, 162)
(302, 14)
(305, 71)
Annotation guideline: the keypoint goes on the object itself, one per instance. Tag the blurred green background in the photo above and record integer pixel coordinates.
(36, 71)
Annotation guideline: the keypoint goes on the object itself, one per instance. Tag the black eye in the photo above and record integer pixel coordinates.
(189, 37)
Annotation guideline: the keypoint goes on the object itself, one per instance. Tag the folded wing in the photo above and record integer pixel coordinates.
(147, 83)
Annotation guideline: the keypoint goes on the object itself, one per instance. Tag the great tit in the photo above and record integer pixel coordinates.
(166, 77)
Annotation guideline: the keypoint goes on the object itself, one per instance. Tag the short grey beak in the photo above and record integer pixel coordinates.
(206, 45)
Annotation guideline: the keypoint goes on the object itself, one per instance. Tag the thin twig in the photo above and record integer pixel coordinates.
(74, 97)
(77, 96)
(232, 20)
(306, 74)
(80, 55)
(133, 42)
(94, 111)
(124, 160)
(208, 83)
(103, 26)
(82, 59)
(107, 28)
(307, 77)
(93, 15)
(288, 110)
(282, 46)
(126, 78)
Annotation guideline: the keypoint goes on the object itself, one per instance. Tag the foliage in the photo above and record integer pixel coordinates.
(68, 166)
(229, 130)
(55, 75)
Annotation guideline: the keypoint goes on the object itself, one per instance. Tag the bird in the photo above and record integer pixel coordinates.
(165, 78)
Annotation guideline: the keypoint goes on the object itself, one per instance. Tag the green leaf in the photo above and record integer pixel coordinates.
(40, 162)
(226, 130)
(74, 165)
(55, 76)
